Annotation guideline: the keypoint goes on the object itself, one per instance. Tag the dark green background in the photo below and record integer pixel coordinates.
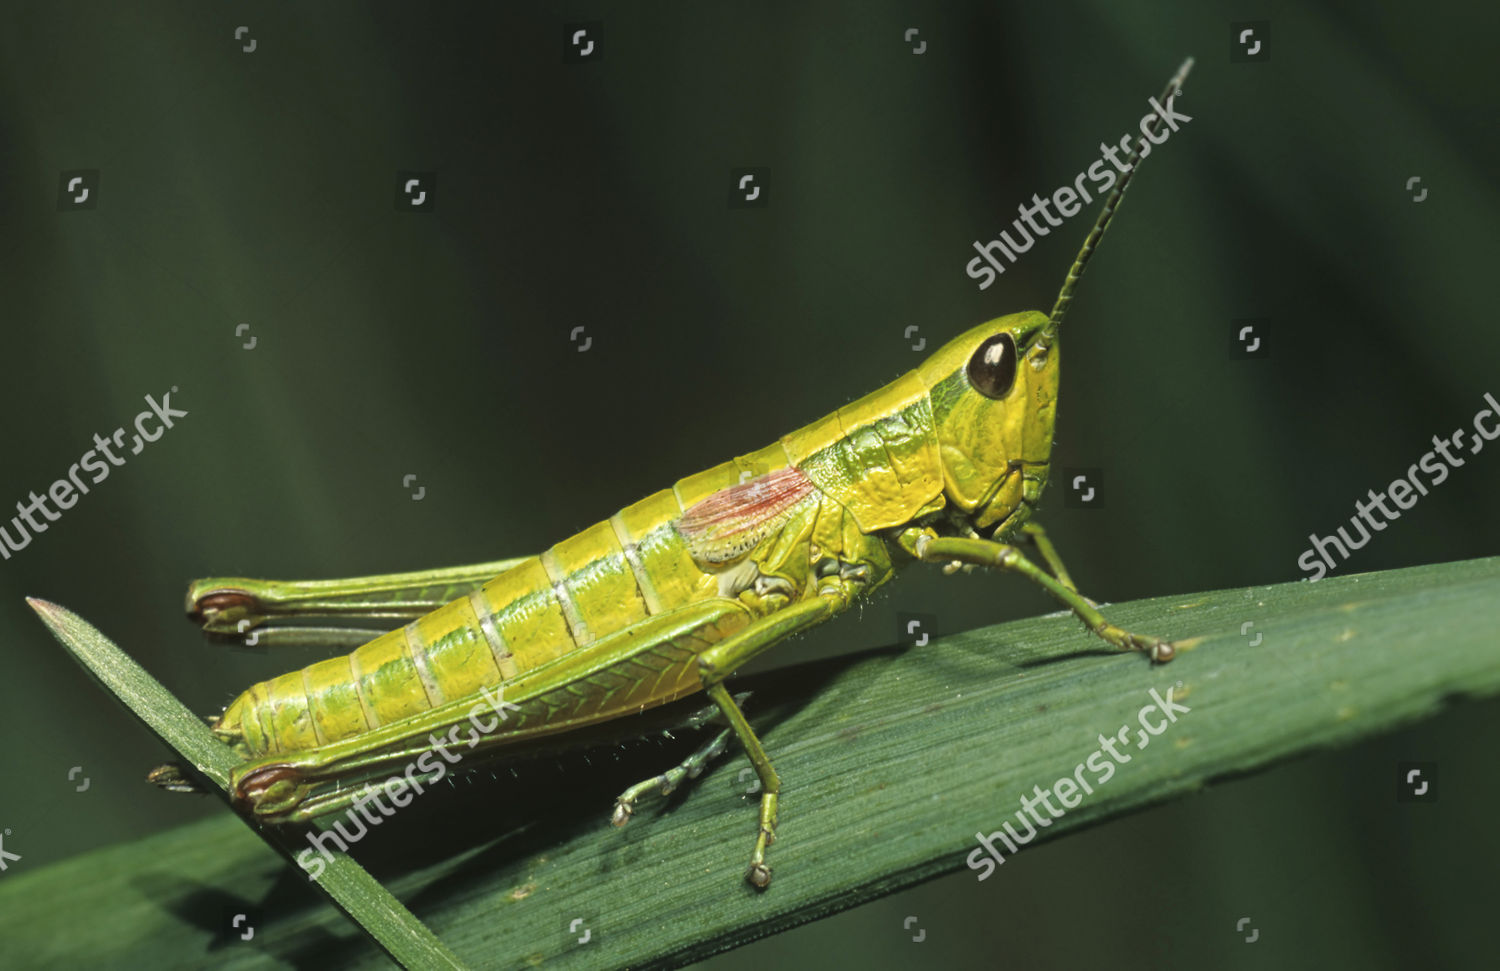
(259, 188)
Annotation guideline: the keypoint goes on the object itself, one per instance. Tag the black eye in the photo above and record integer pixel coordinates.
(992, 369)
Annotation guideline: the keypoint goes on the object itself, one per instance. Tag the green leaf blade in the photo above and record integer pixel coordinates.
(863, 745)
(347, 884)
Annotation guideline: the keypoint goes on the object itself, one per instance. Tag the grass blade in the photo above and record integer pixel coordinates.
(863, 743)
(346, 883)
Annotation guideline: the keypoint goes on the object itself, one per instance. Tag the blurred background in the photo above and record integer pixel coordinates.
(246, 191)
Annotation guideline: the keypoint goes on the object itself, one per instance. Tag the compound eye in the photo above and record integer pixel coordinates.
(992, 369)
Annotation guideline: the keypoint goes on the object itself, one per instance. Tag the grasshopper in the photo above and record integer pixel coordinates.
(671, 595)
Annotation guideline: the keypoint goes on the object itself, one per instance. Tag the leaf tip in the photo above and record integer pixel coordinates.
(61, 621)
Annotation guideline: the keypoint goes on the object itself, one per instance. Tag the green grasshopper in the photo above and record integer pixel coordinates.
(671, 595)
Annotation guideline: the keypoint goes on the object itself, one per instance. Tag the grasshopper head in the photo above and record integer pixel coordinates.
(994, 399)
(994, 389)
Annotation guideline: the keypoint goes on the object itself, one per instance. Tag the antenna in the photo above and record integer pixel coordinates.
(1065, 296)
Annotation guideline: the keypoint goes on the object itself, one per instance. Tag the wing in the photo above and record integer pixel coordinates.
(729, 523)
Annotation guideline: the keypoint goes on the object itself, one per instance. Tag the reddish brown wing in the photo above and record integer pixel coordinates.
(731, 521)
